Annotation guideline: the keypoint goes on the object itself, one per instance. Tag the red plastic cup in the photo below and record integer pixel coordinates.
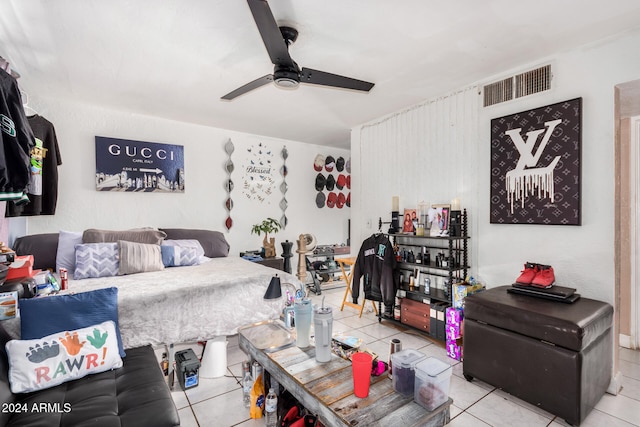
(361, 368)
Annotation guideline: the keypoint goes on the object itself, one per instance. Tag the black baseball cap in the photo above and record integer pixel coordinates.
(330, 182)
(320, 182)
(329, 163)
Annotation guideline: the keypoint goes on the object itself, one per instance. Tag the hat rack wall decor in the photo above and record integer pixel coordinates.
(228, 148)
(337, 185)
(283, 187)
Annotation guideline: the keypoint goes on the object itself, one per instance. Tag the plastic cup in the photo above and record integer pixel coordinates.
(361, 367)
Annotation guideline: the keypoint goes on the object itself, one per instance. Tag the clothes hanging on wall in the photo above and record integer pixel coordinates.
(376, 262)
(17, 142)
(45, 159)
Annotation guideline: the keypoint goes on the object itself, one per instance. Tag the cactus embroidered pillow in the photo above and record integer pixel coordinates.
(64, 356)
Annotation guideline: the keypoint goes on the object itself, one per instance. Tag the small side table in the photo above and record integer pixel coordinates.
(274, 262)
(347, 276)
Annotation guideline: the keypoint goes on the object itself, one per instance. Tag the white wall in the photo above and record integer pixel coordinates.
(80, 206)
(583, 257)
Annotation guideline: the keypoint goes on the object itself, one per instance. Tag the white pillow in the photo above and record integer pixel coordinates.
(66, 254)
(57, 358)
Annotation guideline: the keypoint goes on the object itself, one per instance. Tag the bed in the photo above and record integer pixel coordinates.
(192, 303)
(189, 303)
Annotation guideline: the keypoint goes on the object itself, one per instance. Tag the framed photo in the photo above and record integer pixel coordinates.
(410, 221)
(439, 219)
(535, 166)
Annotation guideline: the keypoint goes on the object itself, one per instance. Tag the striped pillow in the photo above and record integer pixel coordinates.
(139, 257)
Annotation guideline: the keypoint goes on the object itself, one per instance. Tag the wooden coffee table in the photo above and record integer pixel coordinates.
(326, 389)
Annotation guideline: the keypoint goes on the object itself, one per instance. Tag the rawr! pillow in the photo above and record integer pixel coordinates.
(61, 357)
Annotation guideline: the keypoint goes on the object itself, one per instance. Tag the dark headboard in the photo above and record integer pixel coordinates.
(43, 247)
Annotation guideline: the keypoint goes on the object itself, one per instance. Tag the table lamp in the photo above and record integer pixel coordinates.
(274, 291)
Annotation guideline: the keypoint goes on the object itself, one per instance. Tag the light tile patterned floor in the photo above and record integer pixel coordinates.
(218, 402)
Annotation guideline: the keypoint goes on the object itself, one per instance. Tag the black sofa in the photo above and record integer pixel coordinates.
(135, 395)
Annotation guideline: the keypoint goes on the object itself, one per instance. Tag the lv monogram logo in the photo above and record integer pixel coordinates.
(525, 178)
(525, 148)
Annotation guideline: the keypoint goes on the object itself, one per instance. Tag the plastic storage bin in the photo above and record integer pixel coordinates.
(403, 364)
(433, 377)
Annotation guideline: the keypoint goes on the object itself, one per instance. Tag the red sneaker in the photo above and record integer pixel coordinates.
(545, 277)
(530, 271)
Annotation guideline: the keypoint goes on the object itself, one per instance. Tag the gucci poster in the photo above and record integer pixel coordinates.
(535, 166)
(125, 165)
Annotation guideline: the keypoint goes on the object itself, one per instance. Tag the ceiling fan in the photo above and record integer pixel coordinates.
(286, 72)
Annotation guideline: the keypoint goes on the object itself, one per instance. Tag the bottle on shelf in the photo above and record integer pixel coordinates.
(164, 364)
(247, 384)
(271, 409)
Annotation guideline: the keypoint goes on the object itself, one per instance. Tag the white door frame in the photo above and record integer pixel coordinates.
(634, 338)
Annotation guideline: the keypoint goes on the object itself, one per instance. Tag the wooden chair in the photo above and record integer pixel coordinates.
(347, 279)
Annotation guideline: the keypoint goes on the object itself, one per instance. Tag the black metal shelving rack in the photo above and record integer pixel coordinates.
(453, 273)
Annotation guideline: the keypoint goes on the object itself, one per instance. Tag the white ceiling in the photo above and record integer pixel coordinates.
(176, 58)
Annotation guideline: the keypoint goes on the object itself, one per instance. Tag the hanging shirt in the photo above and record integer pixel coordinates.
(376, 262)
(43, 184)
(17, 141)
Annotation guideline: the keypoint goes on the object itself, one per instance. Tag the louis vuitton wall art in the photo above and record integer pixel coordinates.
(124, 165)
(535, 166)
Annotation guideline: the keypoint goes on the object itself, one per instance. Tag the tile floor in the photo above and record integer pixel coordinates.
(218, 402)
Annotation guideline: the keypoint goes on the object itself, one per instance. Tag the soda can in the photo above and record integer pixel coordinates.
(64, 277)
(396, 346)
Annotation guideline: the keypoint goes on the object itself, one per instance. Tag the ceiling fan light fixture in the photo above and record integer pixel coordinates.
(286, 83)
(286, 78)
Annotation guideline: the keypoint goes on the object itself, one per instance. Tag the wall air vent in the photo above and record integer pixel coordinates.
(495, 93)
(527, 83)
(533, 81)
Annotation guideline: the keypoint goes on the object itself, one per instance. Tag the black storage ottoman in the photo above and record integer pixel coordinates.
(554, 355)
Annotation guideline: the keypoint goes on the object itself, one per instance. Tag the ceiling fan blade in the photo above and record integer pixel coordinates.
(249, 87)
(315, 77)
(270, 32)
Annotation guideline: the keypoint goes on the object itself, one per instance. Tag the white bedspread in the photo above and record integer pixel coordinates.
(182, 304)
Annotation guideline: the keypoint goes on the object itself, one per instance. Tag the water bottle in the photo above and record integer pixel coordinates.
(271, 409)
(247, 384)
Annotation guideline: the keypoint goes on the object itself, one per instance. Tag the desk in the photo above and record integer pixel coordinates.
(273, 262)
(326, 389)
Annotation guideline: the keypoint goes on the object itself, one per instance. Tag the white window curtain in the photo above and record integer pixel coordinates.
(428, 152)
